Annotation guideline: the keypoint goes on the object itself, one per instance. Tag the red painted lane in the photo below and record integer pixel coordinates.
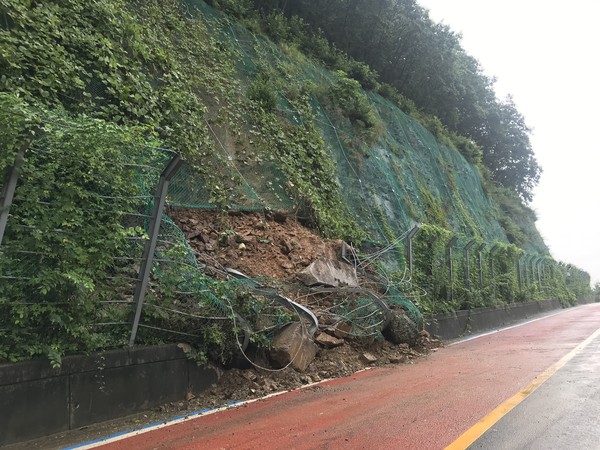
(425, 405)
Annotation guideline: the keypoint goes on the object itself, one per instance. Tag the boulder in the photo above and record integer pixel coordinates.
(397, 359)
(329, 272)
(401, 329)
(368, 358)
(293, 346)
(342, 330)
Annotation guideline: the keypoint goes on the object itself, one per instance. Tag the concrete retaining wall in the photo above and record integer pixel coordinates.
(451, 326)
(37, 400)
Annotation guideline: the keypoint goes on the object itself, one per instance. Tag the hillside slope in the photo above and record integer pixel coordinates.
(390, 177)
(261, 127)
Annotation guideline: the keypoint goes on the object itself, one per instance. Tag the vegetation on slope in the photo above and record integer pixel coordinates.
(395, 42)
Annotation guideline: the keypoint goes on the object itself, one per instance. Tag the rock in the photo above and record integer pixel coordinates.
(328, 341)
(397, 359)
(194, 235)
(244, 238)
(185, 347)
(280, 216)
(368, 358)
(287, 265)
(401, 330)
(329, 272)
(342, 330)
(249, 375)
(293, 346)
(326, 319)
(242, 246)
(286, 247)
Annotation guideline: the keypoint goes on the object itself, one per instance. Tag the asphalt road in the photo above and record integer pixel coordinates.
(430, 404)
(562, 413)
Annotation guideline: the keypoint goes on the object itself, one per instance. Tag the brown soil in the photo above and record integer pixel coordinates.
(257, 245)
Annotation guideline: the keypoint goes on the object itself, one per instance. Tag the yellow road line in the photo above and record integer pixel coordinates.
(477, 430)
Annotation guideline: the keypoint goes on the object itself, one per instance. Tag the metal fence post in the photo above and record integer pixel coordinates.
(470, 244)
(449, 245)
(480, 262)
(150, 247)
(535, 269)
(408, 244)
(491, 256)
(10, 184)
(519, 275)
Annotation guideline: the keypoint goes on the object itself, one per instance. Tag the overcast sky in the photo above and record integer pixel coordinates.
(546, 54)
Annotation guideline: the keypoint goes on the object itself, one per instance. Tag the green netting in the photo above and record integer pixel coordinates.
(365, 317)
(388, 185)
(402, 177)
(187, 189)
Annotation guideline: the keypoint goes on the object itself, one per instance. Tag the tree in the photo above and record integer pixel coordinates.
(507, 149)
(426, 63)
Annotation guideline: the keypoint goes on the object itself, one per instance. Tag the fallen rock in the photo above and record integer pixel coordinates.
(293, 346)
(286, 247)
(342, 330)
(328, 340)
(368, 358)
(329, 272)
(401, 329)
(280, 216)
(194, 235)
(397, 359)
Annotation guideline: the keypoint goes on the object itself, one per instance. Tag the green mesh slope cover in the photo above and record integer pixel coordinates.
(406, 176)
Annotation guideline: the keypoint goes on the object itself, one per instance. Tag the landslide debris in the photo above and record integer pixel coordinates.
(277, 246)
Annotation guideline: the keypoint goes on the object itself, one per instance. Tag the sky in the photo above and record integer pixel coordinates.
(546, 54)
